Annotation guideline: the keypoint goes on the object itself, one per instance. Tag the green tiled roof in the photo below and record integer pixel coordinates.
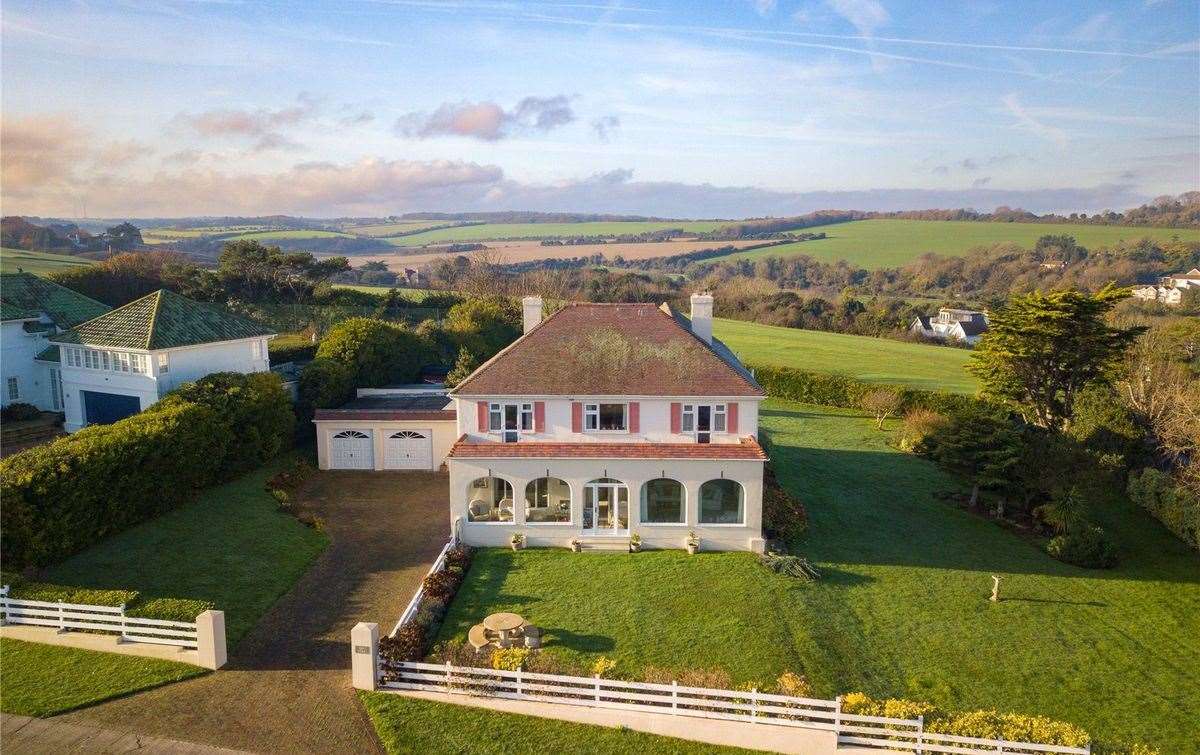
(13, 312)
(48, 354)
(26, 292)
(162, 320)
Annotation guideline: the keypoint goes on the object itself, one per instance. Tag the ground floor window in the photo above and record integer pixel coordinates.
(662, 502)
(14, 389)
(491, 500)
(547, 499)
(722, 502)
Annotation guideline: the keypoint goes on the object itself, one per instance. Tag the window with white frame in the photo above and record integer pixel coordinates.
(138, 363)
(703, 419)
(604, 417)
(14, 389)
(164, 363)
(510, 419)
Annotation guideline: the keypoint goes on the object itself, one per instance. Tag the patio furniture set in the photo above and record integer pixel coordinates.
(504, 630)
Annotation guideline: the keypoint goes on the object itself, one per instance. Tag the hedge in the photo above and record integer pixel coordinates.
(168, 609)
(1169, 502)
(291, 348)
(847, 392)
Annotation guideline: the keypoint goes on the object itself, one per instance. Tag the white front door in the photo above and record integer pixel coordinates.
(409, 449)
(605, 508)
(352, 449)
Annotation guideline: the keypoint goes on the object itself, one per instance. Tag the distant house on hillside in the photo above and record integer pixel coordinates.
(1170, 288)
(125, 360)
(952, 325)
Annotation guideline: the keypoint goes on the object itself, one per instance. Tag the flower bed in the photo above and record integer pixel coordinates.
(410, 641)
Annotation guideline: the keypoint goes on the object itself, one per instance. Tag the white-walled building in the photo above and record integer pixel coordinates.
(605, 420)
(965, 325)
(1170, 288)
(123, 361)
(32, 309)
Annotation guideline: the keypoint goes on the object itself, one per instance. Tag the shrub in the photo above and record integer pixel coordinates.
(324, 384)
(19, 411)
(1085, 546)
(441, 584)
(170, 609)
(882, 403)
(407, 645)
(918, 425)
(510, 659)
(792, 566)
(378, 353)
(1169, 502)
(784, 516)
(460, 556)
(603, 666)
(291, 347)
(847, 392)
(793, 684)
(462, 654)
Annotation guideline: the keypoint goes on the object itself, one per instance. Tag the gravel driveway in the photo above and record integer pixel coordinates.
(287, 685)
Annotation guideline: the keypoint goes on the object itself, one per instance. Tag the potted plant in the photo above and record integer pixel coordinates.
(635, 543)
(692, 543)
(576, 545)
(517, 541)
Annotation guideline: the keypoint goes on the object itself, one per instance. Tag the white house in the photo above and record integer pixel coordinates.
(605, 420)
(1170, 288)
(124, 360)
(32, 309)
(965, 325)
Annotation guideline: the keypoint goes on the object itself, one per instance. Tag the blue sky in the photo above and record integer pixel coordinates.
(671, 108)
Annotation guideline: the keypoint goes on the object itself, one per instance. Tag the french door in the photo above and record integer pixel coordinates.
(605, 508)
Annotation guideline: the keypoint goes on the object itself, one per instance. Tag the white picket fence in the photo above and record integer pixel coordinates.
(415, 603)
(111, 619)
(753, 707)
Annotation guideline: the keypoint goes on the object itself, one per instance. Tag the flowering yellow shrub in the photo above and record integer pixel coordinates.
(603, 666)
(509, 659)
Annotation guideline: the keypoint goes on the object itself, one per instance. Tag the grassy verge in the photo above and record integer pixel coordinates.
(873, 360)
(45, 680)
(230, 546)
(409, 725)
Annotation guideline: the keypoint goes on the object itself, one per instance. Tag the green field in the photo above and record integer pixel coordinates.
(890, 243)
(391, 229)
(875, 360)
(497, 231)
(167, 235)
(39, 263)
(412, 294)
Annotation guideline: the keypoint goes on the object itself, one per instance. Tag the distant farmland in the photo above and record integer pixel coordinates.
(39, 263)
(497, 231)
(890, 243)
(511, 252)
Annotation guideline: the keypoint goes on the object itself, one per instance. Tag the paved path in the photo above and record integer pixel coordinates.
(287, 685)
(23, 735)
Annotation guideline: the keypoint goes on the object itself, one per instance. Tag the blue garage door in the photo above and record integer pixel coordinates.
(103, 408)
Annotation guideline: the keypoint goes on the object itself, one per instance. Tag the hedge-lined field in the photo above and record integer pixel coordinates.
(495, 231)
(38, 263)
(890, 243)
(871, 360)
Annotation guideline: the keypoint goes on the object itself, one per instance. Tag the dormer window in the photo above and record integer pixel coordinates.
(605, 417)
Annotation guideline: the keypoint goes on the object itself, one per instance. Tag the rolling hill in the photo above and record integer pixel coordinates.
(39, 263)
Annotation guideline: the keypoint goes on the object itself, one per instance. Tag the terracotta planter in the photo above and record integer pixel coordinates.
(576, 547)
(635, 547)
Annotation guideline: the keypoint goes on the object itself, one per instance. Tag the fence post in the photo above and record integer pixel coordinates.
(920, 734)
(754, 705)
(364, 655)
(3, 605)
(518, 681)
(448, 667)
(1000, 747)
(210, 639)
(124, 628)
(674, 697)
(597, 688)
(837, 716)
(62, 618)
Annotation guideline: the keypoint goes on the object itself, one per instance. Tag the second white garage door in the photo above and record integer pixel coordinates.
(408, 449)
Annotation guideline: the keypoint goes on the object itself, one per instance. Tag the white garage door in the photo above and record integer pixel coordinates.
(409, 449)
(352, 449)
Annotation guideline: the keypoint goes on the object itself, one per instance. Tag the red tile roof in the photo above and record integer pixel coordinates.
(383, 415)
(747, 449)
(612, 350)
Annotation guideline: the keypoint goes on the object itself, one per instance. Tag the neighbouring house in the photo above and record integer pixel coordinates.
(964, 325)
(605, 420)
(400, 428)
(32, 309)
(1170, 288)
(123, 361)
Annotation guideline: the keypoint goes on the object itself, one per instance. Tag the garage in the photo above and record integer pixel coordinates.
(105, 408)
(408, 449)
(352, 449)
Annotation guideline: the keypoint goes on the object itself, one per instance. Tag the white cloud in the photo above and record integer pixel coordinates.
(1026, 121)
(487, 120)
(864, 15)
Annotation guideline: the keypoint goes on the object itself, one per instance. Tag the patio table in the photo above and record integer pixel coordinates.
(503, 623)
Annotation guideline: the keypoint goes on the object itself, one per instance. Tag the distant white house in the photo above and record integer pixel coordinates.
(123, 361)
(33, 309)
(1170, 288)
(965, 325)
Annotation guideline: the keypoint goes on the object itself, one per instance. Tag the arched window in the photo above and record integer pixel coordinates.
(491, 500)
(351, 434)
(663, 502)
(722, 502)
(547, 500)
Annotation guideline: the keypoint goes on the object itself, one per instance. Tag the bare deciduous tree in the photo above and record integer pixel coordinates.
(883, 403)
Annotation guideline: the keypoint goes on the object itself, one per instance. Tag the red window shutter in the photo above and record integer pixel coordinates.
(731, 418)
(676, 418)
(481, 409)
(576, 417)
(635, 411)
(539, 416)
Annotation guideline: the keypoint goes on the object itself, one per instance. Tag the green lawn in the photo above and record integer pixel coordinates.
(412, 294)
(876, 360)
(889, 243)
(229, 546)
(39, 263)
(902, 607)
(45, 680)
(391, 229)
(495, 231)
(409, 725)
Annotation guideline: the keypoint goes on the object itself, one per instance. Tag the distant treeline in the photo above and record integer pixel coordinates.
(531, 217)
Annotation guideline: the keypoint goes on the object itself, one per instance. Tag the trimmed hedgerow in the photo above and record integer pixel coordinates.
(291, 347)
(169, 609)
(847, 392)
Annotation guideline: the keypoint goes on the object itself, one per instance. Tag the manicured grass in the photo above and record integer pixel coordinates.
(410, 725)
(901, 609)
(229, 546)
(45, 680)
(876, 360)
(495, 231)
(889, 243)
(39, 263)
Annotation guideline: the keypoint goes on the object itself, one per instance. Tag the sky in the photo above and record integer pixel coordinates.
(697, 109)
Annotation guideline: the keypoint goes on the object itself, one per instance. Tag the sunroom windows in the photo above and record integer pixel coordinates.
(663, 502)
(548, 501)
(722, 502)
(605, 417)
(491, 500)
(109, 361)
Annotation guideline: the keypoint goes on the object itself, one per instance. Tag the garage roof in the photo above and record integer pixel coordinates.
(425, 406)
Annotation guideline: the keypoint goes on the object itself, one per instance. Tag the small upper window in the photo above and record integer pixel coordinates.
(14, 389)
(164, 363)
(604, 417)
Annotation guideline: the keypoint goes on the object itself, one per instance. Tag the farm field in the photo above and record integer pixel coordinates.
(39, 263)
(510, 252)
(412, 294)
(489, 231)
(167, 235)
(391, 229)
(875, 360)
(875, 244)
(901, 608)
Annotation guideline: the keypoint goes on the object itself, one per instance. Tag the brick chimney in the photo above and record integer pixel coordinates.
(532, 311)
(702, 314)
